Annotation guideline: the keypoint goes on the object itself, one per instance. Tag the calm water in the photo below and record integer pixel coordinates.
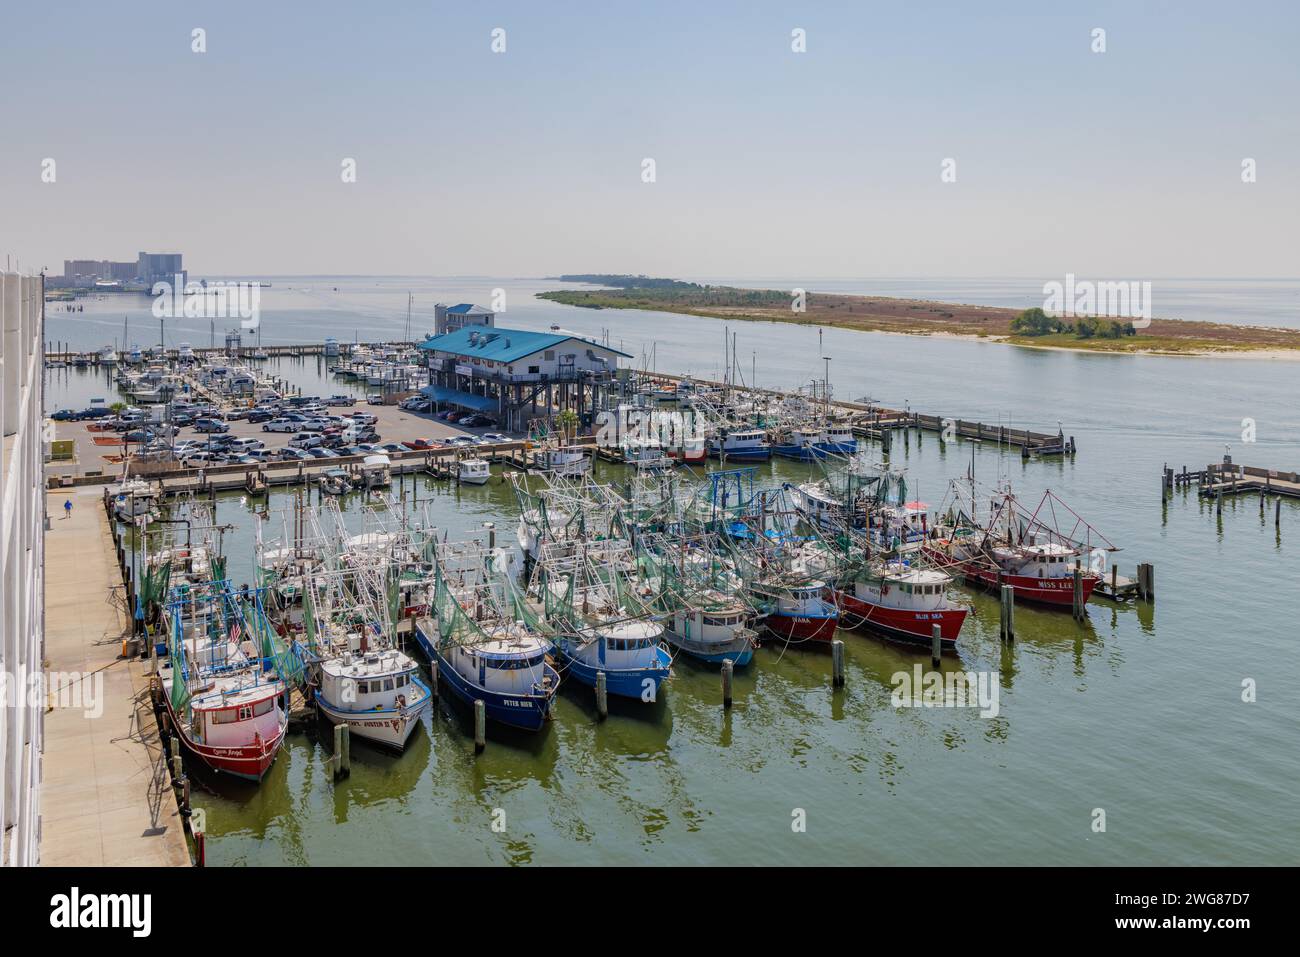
(1138, 711)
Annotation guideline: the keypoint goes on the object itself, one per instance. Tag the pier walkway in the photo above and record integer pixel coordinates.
(106, 797)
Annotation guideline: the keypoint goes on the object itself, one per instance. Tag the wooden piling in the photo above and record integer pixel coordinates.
(837, 663)
(342, 751)
(433, 678)
(480, 726)
(936, 646)
(1008, 596)
(602, 696)
(727, 668)
(1077, 597)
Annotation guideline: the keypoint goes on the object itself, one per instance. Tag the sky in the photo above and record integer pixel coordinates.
(1122, 164)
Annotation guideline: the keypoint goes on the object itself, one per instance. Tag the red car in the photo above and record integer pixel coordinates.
(419, 445)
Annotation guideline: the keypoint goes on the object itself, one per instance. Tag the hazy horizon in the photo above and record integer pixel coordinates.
(824, 164)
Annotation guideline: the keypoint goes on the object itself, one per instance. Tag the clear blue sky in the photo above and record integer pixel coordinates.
(1125, 164)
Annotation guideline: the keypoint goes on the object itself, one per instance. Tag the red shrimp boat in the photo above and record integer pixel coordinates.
(223, 701)
(1021, 549)
(802, 613)
(903, 603)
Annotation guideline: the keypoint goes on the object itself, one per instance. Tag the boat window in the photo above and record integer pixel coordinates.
(363, 687)
(388, 684)
(245, 712)
(262, 707)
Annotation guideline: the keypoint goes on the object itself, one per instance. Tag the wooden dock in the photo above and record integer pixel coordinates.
(1227, 478)
(876, 422)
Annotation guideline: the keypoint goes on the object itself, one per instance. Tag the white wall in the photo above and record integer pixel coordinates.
(22, 564)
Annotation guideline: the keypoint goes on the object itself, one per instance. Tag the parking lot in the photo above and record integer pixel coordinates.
(393, 424)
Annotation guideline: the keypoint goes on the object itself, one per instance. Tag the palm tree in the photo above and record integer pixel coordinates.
(568, 423)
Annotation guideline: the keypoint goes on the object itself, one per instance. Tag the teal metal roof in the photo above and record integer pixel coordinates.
(502, 345)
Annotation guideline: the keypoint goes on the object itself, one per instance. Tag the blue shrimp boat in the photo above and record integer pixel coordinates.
(802, 445)
(837, 439)
(629, 652)
(506, 669)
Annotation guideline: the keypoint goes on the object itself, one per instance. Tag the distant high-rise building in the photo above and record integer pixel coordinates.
(151, 267)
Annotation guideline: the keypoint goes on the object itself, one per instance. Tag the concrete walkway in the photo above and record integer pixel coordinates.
(106, 798)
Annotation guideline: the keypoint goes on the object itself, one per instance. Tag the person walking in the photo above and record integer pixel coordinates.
(67, 509)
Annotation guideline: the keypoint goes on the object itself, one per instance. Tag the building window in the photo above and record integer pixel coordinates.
(534, 369)
(549, 355)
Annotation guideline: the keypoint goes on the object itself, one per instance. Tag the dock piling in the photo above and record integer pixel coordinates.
(480, 726)
(602, 696)
(936, 646)
(433, 678)
(342, 759)
(837, 663)
(1008, 596)
(1077, 597)
(727, 667)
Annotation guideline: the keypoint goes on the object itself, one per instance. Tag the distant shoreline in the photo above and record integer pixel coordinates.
(925, 317)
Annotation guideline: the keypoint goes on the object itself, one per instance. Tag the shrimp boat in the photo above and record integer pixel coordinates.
(741, 445)
(1021, 549)
(596, 622)
(901, 602)
(482, 650)
(225, 701)
(715, 630)
(802, 613)
(364, 682)
(837, 439)
(646, 456)
(802, 445)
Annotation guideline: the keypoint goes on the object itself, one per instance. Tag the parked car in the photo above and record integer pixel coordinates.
(200, 459)
(392, 447)
(305, 440)
(65, 415)
(140, 435)
(260, 415)
(478, 421)
(322, 453)
(284, 424)
(461, 441)
(495, 437)
(341, 400)
(245, 445)
(292, 455)
(446, 413)
(210, 425)
(419, 445)
(366, 418)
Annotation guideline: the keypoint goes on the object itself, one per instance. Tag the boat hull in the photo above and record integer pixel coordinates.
(391, 728)
(900, 624)
(789, 627)
(741, 652)
(800, 453)
(250, 762)
(528, 712)
(1053, 592)
(624, 682)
